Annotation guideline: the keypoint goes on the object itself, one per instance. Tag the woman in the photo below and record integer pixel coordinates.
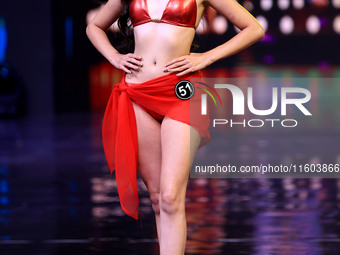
(163, 33)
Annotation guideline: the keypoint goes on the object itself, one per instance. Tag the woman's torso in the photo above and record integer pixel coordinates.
(158, 43)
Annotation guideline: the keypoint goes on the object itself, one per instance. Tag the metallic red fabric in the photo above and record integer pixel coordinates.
(177, 12)
(119, 130)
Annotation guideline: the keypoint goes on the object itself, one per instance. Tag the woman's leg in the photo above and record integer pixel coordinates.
(149, 156)
(179, 144)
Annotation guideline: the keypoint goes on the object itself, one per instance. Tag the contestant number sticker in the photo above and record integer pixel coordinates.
(184, 90)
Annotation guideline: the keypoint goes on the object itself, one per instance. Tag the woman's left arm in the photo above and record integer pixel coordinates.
(251, 32)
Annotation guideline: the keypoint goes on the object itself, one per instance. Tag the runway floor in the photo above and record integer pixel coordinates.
(57, 197)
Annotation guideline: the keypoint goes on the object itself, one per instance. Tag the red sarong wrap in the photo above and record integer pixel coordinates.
(119, 130)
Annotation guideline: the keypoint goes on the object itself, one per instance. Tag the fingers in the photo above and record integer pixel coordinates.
(135, 61)
(132, 58)
(130, 62)
(181, 64)
(131, 55)
(178, 66)
(132, 66)
(184, 69)
(125, 69)
(175, 60)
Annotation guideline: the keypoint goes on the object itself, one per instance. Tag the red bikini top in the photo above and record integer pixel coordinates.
(177, 12)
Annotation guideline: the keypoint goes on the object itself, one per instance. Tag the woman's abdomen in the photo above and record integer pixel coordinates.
(158, 44)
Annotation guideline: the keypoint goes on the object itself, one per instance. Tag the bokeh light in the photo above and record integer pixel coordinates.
(286, 25)
(248, 5)
(313, 24)
(283, 4)
(263, 21)
(266, 5)
(298, 4)
(220, 24)
(336, 3)
(336, 24)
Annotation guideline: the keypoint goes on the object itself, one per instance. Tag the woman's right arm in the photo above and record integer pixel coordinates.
(96, 32)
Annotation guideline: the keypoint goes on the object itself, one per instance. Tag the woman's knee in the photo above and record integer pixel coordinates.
(172, 202)
(154, 196)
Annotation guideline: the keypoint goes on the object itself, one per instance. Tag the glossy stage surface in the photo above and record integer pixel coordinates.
(57, 197)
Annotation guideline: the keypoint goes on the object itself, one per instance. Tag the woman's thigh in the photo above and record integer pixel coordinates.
(149, 148)
(179, 143)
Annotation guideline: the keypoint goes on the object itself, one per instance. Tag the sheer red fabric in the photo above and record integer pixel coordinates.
(176, 12)
(119, 130)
